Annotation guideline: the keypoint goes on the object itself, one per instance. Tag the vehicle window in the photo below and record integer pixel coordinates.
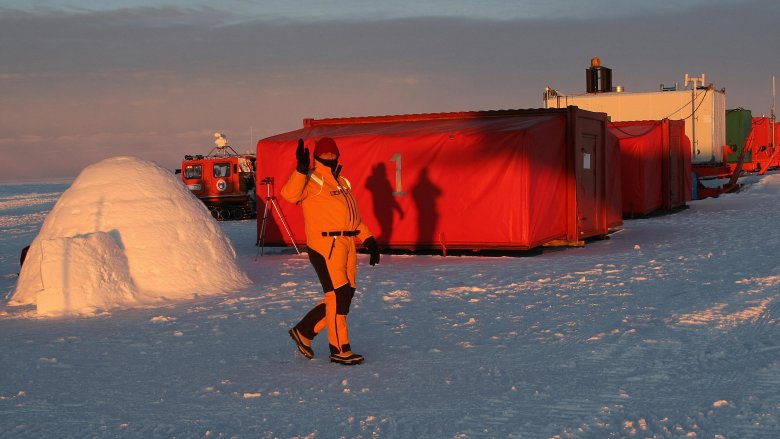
(222, 170)
(193, 171)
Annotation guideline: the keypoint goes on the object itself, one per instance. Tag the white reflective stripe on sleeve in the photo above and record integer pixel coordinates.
(318, 180)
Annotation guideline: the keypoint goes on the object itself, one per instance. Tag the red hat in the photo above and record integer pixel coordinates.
(325, 144)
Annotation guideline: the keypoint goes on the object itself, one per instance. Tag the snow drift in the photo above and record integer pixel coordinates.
(126, 233)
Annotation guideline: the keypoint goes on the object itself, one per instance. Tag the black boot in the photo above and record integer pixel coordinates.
(347, 358)
(304, 349)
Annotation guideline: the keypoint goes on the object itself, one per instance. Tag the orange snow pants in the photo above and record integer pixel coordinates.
(335, 261)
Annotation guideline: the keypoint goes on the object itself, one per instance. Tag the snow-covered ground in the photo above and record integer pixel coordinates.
(668, 329)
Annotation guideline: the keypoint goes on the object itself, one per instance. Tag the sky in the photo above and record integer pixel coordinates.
(82, 81)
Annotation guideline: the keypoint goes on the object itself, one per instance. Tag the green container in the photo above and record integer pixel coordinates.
(739, 122)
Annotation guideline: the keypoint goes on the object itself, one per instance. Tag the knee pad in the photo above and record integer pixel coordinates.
(344, 295)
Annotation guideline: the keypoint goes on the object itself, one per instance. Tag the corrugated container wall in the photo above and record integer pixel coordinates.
(674, 105)
(513, 179)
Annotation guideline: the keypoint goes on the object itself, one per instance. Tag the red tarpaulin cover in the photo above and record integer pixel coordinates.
(655, 165)
(509, 179)
(614, 183)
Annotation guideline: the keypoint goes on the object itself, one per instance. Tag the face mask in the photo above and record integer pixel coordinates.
(329, 163)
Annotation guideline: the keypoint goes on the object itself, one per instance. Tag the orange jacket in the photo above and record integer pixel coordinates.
(328, 205)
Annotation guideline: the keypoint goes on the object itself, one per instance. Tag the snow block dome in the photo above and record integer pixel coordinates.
(126, 233)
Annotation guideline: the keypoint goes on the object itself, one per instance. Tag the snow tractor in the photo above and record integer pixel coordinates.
(224, 180)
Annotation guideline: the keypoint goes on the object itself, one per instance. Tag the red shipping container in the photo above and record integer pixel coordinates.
(655, 165)
(760, 143)
(510, 179)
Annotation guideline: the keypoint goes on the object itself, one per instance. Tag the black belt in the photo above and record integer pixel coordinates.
(341, 233)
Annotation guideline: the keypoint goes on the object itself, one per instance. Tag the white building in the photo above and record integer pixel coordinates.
(707, 147)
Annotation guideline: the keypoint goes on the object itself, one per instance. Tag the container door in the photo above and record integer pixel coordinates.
(587, 185)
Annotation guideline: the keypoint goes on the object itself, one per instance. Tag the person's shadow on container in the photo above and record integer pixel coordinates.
(384, 202)
(425, 195)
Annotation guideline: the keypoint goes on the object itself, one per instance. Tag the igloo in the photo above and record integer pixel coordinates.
(126, 233)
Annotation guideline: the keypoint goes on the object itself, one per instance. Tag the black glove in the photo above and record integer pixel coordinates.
(373, 250)
(302, 155)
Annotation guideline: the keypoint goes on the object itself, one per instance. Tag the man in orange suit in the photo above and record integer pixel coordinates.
(332, 222)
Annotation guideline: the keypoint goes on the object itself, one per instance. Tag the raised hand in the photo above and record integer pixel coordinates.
(302, 155)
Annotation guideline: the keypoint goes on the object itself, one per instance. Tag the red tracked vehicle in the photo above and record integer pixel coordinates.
(224, 180)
